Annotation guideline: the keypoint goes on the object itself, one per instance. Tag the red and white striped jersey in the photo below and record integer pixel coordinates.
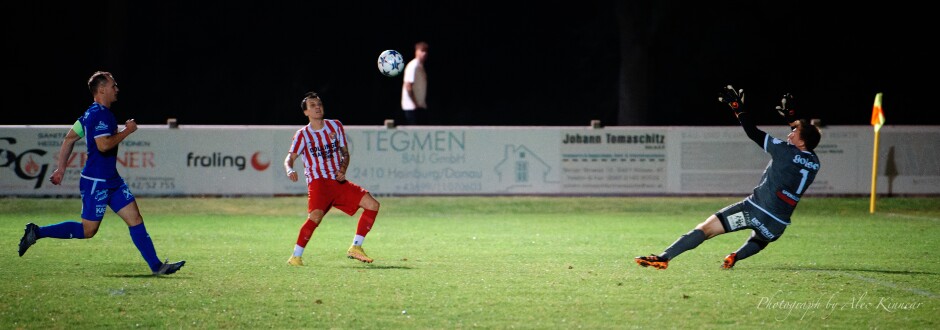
(320, 149)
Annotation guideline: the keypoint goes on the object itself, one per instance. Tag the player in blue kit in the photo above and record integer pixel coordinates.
(766, 212)
(101, 186)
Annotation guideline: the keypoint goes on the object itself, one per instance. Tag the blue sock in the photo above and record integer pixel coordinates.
(685, 242)
(64, 229)
(145, 246)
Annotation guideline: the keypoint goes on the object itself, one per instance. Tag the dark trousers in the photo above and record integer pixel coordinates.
(418, 116)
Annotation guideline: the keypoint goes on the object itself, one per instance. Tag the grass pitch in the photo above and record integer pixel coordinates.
(467, 262)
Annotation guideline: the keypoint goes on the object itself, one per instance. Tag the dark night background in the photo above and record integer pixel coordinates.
(490, 63)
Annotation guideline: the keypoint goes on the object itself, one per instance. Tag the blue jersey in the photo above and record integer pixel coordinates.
(98, 121)
(787, 176)
(785, 179)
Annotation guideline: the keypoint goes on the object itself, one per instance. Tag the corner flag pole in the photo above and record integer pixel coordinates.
(877, 120)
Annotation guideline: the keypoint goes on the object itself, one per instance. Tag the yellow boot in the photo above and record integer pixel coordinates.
(295, 261)
(356, 252)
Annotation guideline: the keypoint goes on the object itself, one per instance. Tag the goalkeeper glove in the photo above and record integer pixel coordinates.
(787, 108)
(733, 98)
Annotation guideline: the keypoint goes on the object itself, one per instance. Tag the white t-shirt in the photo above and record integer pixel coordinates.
(414, 73)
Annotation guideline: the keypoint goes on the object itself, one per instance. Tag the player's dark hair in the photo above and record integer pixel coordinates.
(421, 45)
(309, 95)
(809, 134)
(97, 80)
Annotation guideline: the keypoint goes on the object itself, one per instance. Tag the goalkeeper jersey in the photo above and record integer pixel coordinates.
(785, 179)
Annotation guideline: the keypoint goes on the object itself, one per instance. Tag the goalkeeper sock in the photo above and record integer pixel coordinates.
(306, 231)
(64, 229)
(685, 242)
(751, 247)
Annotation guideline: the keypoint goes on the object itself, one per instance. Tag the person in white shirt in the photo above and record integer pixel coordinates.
(414, 88)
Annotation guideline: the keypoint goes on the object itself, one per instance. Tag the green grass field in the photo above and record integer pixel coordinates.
(467, 262)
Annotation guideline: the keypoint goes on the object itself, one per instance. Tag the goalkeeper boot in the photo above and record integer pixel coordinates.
(729, 261)
(167, 268)
(30, 235)
(356, 252)
(652, 260)
(295, 261)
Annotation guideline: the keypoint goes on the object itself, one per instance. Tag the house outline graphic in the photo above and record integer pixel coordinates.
(521, 167)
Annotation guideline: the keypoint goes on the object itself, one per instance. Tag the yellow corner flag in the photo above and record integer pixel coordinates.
(877, 120)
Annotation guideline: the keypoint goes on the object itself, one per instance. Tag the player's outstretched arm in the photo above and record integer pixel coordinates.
(753, 133)
(735, 100)
(68, 144)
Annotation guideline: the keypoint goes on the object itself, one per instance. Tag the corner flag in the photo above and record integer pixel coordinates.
(877, 116)
(877, 120)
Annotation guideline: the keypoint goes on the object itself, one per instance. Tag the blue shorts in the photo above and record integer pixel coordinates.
(96, 198)
(742, 215)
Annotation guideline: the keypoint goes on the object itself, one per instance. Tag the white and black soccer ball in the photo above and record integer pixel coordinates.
(391, 63)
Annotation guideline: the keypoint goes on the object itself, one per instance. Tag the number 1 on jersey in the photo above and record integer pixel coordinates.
(803, 181)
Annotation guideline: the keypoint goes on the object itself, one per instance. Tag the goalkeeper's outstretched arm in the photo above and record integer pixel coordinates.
(754, 133)
(735, 100)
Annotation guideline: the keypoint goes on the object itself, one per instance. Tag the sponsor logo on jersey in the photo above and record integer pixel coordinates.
(797, 159)
(101, 126)
(788, 197)
(326, 151)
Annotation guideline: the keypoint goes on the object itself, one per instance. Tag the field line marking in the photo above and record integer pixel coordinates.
(890, 285)
(917, 217)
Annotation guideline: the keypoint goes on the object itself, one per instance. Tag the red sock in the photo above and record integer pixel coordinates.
(305, 232)
(365, 222)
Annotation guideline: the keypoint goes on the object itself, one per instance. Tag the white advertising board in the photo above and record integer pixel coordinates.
(453, 160)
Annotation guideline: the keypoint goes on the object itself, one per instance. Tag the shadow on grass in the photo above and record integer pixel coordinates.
(834, 269)
(378, 267)
(141, 276)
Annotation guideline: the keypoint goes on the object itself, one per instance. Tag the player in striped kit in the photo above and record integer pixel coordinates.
(322, 146)
(766, 212)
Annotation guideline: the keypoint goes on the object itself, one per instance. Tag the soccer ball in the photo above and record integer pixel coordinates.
(391, 63)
